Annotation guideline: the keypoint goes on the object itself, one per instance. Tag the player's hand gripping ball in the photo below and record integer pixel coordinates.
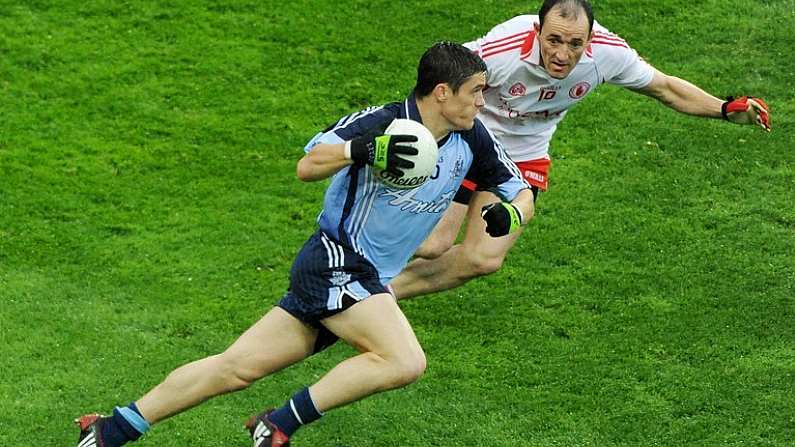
(747, 110)
(404, 156)
(424, 160)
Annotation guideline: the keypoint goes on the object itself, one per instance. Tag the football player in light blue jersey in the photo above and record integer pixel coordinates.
(387, 225)
(367, 232)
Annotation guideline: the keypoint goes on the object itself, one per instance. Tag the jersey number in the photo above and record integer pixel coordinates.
(546, 94)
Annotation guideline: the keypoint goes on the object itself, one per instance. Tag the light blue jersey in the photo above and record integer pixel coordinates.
(386, 226)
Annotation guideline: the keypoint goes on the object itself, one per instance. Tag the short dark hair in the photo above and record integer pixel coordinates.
(568, 8)
(446, 63)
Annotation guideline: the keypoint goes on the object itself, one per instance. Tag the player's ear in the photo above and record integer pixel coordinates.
(537, 27)
(442, 92)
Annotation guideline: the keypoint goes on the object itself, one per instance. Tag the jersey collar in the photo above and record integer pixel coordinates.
(531, 49)
(410, 111)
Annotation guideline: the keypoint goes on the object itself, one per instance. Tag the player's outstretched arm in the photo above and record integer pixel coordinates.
(323, 161)
(375, 149)
(685, 97)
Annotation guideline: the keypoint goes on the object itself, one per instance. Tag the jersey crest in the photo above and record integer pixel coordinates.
(517, 89)
(579, 90)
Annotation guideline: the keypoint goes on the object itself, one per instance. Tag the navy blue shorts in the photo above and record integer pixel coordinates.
(327, 278)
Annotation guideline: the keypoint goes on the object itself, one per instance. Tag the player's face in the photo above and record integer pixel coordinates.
(563, 40)
(462, 107)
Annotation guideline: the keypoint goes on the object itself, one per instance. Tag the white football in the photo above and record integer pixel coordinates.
(424, 161)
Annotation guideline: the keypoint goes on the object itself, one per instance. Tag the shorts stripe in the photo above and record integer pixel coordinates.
(326, 277)
(334, 298)
(357, 291)
(329, 253)
(336, 256)
(353, 289)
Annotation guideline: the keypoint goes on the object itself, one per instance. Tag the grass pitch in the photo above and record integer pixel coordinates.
(149, 213)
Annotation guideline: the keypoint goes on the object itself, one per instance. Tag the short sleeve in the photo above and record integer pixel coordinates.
(617, 62)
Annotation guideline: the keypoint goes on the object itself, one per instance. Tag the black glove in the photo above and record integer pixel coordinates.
(383, 151)
(501, 218)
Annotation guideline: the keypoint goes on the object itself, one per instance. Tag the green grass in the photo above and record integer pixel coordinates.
(149, 213)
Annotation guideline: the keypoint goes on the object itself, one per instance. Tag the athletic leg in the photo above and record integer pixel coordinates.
(276, 341)
(255, 354)
(391, 356)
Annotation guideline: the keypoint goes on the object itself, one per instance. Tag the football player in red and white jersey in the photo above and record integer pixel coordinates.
(539, 66)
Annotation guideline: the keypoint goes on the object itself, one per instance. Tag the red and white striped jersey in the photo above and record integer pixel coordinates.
(524, 104)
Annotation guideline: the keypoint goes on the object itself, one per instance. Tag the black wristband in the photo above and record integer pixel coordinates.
(361, 151)
(723, 107)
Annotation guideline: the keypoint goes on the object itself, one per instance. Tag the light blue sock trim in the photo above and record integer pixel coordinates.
(135, 419)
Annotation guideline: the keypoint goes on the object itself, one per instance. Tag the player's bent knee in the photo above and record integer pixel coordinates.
(236, 373)
(407, 369)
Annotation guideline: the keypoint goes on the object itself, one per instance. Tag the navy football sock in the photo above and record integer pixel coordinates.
(298, 411)
(124, 426)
